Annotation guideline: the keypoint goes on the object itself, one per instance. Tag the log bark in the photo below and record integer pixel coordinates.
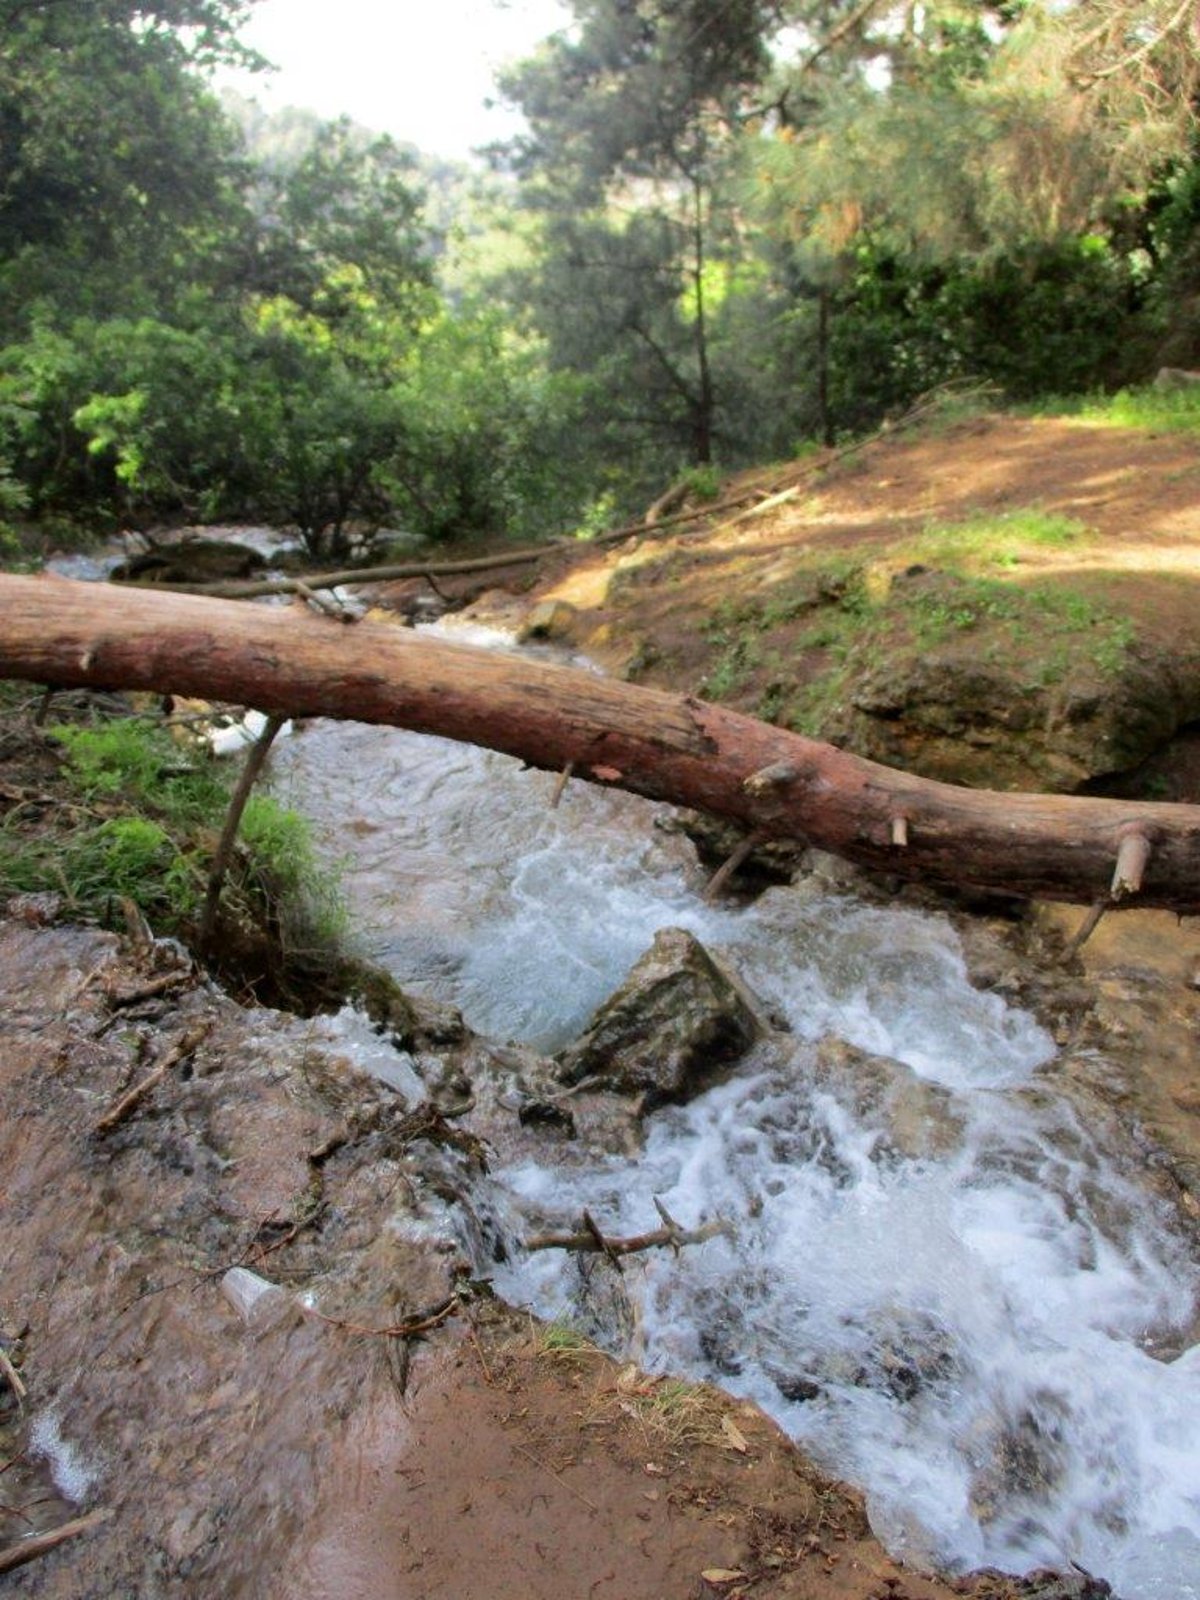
(289, 661)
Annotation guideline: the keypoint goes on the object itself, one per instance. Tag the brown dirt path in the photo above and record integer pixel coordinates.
(517, 1470)
(1137, 493)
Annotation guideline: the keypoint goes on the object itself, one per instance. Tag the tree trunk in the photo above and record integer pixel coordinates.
(707, 401)
(824, 417)
(290, 661)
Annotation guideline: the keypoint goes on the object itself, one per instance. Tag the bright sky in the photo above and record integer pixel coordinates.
(417, 69)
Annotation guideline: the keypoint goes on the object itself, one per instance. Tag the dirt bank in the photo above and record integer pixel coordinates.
(999, 601)
(301, 1450)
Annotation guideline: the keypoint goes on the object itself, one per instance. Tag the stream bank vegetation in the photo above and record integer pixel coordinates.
(836, 627)
(115, 812)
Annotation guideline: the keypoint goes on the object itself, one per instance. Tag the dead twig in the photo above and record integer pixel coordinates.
(729, 867)
(128, 1103)
(117, 999)
(40, 1544)
(330, 607)
(589, 1238)
(15, 1382)
(487, 1371)
(260, 1250)
(557, 1476)
(564, 778)
(422, 1322)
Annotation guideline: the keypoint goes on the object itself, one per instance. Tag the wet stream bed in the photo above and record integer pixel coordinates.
(947, 1278)
(958, 1271)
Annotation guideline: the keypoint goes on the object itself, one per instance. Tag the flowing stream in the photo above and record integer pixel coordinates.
(962, 1322)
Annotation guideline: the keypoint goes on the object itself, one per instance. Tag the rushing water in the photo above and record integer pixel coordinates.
(962, 1326)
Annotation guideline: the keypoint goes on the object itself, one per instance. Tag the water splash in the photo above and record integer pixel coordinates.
(962, 1327)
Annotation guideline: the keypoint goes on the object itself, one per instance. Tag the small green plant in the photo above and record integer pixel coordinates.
(283, 868)
(997, 541)
(562, 1338)
(703, 482)
(136, 761)
(141, 825)
(958, 604)
(1163, 410)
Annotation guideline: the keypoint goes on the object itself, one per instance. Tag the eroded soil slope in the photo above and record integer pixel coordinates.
(1000, 601)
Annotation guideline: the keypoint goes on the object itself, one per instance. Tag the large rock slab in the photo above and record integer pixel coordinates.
(675, 1020)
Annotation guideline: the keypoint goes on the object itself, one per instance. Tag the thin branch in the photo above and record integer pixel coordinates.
(835, 35)
(182, 1048)
(422, 1322)
(726, 870)
(589, 1239)
(674, 378)
(1143, 50)
(40, 1544)
(253, 765)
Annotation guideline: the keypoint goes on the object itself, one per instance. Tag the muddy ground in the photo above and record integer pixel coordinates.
(377, 1426)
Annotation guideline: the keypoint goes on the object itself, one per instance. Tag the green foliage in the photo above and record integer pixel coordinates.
(99, 861)
(703, 482)
(1044, 318)
(1163, 410)
(129, 853)
(487, 445)
(137, 763)
(283, 871)
(728, 238)
(143, 827)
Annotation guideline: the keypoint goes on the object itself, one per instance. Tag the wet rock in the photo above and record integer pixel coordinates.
(437, 1023)
(546, 1114)
(671, 1025)
(549, 619)
(193, 560)
(916, 1119)
(272, 1157)
(795, 1387)
(912, 1354)
(1044, 1584)
(383, 1000)
(1022, 1459)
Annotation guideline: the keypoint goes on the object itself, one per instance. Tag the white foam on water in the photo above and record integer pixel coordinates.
(962, 1335)
(966, 1332)
(73, 1475)
(353, 1031)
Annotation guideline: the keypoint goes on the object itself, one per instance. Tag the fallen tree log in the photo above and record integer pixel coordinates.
(291, 661)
